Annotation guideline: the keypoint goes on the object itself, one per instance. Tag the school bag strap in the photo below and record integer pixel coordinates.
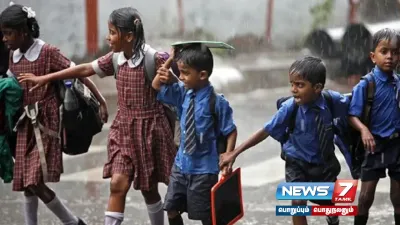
(329, 102)
(150, 60)
(328, 99)
(213, 100)
(149, 64)
(115, 63)
(292, 121)
(366, 115)
(222, 140)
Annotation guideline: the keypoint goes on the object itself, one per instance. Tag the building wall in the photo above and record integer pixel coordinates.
(63, 22)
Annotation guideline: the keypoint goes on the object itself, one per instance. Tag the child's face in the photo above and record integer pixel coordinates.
(303, 91)
(13, 39)
(119, 41)
(191, 77)
(113, 38)
(386, 55)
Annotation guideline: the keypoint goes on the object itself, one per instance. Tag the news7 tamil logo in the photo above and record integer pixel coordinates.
(342, 191)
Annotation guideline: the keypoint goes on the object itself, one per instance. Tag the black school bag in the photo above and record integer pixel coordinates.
(79, 126)
(292, 118)
(352, 139)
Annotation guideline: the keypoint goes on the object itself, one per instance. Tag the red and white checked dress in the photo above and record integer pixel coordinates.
(140, 142)
(27, 169)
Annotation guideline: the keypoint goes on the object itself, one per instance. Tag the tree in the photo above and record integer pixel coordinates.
(321, 13)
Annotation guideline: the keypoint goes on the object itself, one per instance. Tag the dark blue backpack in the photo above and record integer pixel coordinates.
(341, 139)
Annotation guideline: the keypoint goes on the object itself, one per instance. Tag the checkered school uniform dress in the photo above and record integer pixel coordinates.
(27, 169)
(140, 142)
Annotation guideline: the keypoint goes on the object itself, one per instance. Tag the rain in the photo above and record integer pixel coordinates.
(268, 36)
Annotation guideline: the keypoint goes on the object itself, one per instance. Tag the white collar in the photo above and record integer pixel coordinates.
(133, 63)
(32, 54)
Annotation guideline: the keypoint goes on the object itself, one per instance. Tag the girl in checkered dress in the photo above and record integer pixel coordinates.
(30, 54)
(140, 144)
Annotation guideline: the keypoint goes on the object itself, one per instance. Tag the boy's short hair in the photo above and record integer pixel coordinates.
(196, 56)
(310, 68)
(385, 34)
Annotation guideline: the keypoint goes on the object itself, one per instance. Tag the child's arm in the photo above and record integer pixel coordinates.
(169, 90)
(366, 136)
(80, 71)
(164, 76)
(103, 105)
(230, 146)
(356, 109)
(276, 128)
(228, 158)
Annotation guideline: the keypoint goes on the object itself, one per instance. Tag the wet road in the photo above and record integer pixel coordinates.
(86, 193)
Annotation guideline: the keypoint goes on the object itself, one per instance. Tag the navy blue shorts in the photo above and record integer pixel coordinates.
(385, 157)
(297, 170)
(190, 193)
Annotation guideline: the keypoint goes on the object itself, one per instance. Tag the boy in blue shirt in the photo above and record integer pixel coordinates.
(309, 149)
(196, 168)
(381, 138)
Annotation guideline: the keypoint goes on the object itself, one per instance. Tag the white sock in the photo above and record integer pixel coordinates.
(30, 210)
(62, 212)
(113, 218)
(156, 213)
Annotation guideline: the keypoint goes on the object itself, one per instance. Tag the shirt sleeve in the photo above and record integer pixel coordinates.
(103, 66)
(172, 94)
(224, 111)
(58, 60)
(279, 122)
(358, 95)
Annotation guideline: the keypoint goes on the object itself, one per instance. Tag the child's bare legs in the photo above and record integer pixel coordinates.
(50, 199)
(299, 220)
(119, 187)
(365, 200)
(154, 204)
(30, 207)
(395, 199)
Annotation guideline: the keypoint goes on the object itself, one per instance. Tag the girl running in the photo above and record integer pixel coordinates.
(32, 55)
(140, 146)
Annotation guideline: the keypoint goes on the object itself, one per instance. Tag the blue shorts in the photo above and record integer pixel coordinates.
(190, 193)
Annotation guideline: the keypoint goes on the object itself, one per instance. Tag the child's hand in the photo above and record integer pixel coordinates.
(172, 53)
(368, 140)
(165, 75)
(226, 161)
(103, 112)
(40, 81)
(227, 170)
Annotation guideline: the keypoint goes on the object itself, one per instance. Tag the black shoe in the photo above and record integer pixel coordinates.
(81, 222)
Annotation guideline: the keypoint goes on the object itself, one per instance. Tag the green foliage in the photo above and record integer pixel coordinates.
(321, 13)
